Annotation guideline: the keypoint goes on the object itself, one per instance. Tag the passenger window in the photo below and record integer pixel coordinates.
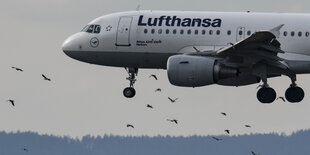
(152, 31)
(218, 32)
(97, 29)
(292, 33)
(145, 31)
(299, 34)
(240, 33)
(307, 34)
(196, 32)
(203, 32)
(174, 31)
(167, 31)
(181, 31)
(90, 29)
(229, 32)
(285, 33)
(249, 33)
(160, 31)
(211, 32)
(189, 31)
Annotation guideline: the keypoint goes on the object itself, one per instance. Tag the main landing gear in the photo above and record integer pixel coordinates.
(293, 94)
(130, 92)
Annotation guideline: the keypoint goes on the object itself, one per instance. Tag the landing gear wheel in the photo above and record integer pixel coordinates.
(266, 95)
(294, 94)
(129, 92)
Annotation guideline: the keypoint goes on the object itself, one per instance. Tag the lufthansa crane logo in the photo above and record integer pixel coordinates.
(94, 42)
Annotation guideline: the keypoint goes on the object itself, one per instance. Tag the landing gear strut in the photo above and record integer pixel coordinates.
(294, 94)
(130, 92)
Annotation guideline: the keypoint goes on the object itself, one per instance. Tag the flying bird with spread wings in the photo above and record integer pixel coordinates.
(130, 126)
(281, 98)
(149, 106)
(154, 76)
(12, 102)
(217, 139)
(173, 100)
(17, 69)
(173, 121)
(158, 90)
(46, 78)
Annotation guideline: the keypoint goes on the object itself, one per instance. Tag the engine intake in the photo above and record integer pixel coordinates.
(195, 71)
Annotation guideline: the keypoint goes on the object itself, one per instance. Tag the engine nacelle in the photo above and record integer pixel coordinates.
(195, 71)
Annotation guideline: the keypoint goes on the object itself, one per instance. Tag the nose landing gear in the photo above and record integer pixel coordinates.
(130, 92)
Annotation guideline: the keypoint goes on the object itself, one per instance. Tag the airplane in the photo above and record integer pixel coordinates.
(200, 48)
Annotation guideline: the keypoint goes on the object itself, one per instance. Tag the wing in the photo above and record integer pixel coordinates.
(261, 40)
(261, 46)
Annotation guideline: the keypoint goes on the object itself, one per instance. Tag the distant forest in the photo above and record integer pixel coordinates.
(262, 144)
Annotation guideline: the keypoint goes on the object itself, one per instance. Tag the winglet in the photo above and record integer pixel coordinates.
(276, 31)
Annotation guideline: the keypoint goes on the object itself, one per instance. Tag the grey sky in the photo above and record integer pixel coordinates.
(87, 99)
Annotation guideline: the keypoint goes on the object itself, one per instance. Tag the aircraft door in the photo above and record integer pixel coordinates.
(123, 31)
(240, 33)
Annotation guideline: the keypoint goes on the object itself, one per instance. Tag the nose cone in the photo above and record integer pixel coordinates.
(72, 44)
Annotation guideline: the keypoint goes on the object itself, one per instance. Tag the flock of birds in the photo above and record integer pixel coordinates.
(175, 121)
(151, 107)
(172, 100)
(12, 101)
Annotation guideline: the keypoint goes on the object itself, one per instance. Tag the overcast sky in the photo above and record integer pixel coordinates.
(87, 99)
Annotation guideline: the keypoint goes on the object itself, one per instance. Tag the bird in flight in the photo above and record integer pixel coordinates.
(172, 100)
(253, 153)
(25, 149)
(173, 121)
(158, 90)
(12, 102)
(149, 106)
(154, 76)
(130, 126)
(46, 78)
(18, 69)
(223, 113)
(282, 98)
(217, 139)
(248, 126)
(227, 131)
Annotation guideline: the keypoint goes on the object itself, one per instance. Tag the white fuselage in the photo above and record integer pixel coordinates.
(146, 39)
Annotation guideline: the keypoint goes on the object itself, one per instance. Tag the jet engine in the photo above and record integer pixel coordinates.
(195, 71)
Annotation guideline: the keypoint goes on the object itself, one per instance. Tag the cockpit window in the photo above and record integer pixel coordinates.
(85, 28)
(92, 29)
(97, 29)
